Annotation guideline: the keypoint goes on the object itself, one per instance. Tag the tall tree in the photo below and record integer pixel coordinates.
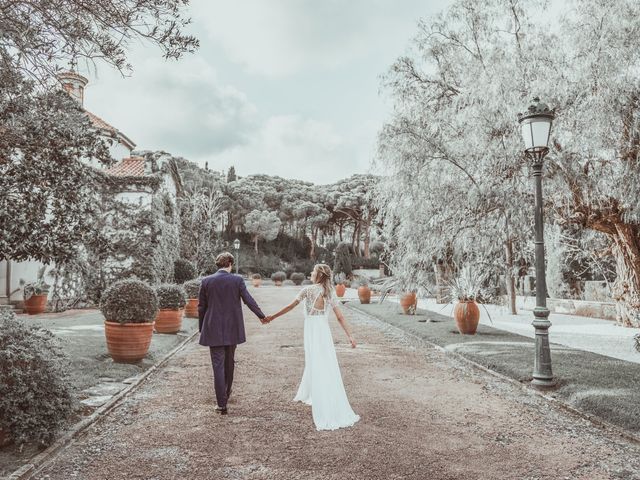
(262, 225)
(456, 100)
(43, 35)
(47, 193)
(353, 198)
(231, 174)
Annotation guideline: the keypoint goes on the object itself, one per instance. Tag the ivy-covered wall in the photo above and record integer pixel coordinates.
(143, 239)
(135, 234)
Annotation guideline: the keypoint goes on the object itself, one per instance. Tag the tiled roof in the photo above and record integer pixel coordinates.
(128, 167)
(97, 122)
(100, 124)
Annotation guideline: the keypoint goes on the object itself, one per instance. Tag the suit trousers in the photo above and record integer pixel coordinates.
(223, 363)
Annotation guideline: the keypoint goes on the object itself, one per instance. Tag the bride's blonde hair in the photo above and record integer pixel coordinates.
(323, 277)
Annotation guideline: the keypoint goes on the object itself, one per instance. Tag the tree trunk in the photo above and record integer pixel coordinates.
(442, 279)
(255, 242)
(355, 240)
(340, 231)
(509, 277)
(367, 239)
(229, 222)
(626, 288)
(312, 250)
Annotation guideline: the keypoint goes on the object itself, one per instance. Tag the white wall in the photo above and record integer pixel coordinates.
(27, 271)
(119, 151)
(135, 198)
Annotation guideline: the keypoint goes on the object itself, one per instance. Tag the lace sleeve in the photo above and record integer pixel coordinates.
(302, 294)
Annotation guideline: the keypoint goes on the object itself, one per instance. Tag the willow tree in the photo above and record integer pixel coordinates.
(453, 146)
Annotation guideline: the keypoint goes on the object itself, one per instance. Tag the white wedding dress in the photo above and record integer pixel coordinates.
(321, 385)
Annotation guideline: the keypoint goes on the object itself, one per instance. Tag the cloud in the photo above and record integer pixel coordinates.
(183, 108)
(284, 87)
(284, 37)
(291, 146)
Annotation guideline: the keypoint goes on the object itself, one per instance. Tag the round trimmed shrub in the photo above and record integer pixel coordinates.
(256, 276)
(35, 395)
(171, 297)
(278, 276)
(288, 283)
(297, 278)
(306, 281)
(129, 301)
(183, 270)
(192, 288)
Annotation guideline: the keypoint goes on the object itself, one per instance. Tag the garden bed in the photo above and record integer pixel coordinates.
(594, 384)
(94, 377)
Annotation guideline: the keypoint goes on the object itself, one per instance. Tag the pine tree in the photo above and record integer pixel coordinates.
(231, 174)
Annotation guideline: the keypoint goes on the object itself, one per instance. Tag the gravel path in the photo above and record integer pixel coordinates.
(423, 417)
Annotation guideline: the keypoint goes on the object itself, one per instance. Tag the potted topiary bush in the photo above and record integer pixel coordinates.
(183, 271)
(256, 279)
(192, 289)
(306, 281)
(129, 308)
(278, 278)
(171, 300)
(35, 294)
(364, 292)
(297, 278)
(35, 393)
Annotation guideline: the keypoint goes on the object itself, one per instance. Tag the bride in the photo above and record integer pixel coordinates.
(321, 385)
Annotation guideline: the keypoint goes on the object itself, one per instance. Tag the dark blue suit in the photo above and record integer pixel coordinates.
(222, 325)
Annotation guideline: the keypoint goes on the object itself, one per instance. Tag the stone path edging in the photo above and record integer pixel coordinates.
(527, 389)
(42, 459)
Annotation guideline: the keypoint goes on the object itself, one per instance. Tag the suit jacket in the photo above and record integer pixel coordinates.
(220, 311)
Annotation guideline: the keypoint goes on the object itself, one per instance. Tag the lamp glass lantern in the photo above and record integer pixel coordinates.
(236, 244)
(536, 128)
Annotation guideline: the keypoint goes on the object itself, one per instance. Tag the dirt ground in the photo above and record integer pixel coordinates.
(424, 416)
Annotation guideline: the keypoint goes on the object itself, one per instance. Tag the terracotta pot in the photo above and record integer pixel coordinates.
(128, 342)
(409, 303)
(35, 304)
(278, 284)
(364, 294)
(467, 316)
(340, 289)
(169, 321)
(191, 310)
(256, 282)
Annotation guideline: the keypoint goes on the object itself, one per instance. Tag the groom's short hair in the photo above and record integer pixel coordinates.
(224, 260)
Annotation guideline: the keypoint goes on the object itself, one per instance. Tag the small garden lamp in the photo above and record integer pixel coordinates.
(236, 247)
(536, 130)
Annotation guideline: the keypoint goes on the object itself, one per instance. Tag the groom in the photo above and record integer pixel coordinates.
(221, 323)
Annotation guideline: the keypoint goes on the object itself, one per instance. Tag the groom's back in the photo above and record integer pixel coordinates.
(221, 310)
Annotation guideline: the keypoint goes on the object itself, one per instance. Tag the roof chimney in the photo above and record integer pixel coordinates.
(74, 85)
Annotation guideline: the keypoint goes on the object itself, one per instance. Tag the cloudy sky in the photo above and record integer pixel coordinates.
(283, 87)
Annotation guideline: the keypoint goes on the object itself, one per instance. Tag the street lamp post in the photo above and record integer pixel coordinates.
(236, 247)
(536, 129)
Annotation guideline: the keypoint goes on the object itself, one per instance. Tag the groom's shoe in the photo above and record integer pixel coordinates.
(221, 410)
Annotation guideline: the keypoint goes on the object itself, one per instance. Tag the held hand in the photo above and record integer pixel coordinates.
(265, 320)
(353, 342)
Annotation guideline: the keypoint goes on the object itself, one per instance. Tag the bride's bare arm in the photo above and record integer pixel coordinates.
(344, 325)
(286, 309)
